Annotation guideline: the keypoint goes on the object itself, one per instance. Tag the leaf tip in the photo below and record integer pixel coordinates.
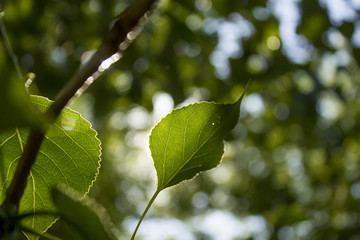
(244, 92)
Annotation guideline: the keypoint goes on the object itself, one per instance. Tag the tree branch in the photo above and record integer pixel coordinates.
(124, 24)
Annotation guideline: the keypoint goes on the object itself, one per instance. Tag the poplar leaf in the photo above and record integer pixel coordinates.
(69, 155)
(190, 140)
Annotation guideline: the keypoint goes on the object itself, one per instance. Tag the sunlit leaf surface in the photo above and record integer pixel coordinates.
(69, 155)
(190, 140)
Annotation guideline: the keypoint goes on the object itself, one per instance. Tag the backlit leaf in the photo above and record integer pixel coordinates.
(190, 140)
(69, 155)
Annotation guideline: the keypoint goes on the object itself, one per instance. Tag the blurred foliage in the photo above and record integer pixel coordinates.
(292, 162)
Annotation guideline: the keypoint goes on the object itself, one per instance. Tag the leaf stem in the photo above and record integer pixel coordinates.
(145, 212)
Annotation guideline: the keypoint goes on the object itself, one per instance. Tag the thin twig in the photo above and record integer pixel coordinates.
(124, 24)
(9, 48)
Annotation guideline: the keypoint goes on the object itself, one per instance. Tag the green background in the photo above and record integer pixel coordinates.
(291, 166)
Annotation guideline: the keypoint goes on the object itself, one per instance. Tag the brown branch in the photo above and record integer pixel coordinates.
(124, 24)
(110, 45)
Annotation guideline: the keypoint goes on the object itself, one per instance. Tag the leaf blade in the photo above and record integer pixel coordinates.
(189, 140)
(69, 144)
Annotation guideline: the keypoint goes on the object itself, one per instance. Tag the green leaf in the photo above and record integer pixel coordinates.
(190, 140)
(69, 155)
(89, 219)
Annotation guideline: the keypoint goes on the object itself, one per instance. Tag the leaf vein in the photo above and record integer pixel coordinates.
(215, 130)
(7, 139)
(167, 143)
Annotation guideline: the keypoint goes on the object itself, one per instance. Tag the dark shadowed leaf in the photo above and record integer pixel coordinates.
(16, 109)
(88, 218)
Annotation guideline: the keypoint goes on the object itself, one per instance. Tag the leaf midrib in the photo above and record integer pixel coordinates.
(177, 171)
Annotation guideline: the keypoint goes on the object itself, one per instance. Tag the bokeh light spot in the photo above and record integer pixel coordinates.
(254, 105)
(273, 43)
(256, 64)
(203, 5)
(281, 111)
(194, 22)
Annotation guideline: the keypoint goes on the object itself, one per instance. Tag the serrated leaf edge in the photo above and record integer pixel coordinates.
(178, 109)
(97, 139)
